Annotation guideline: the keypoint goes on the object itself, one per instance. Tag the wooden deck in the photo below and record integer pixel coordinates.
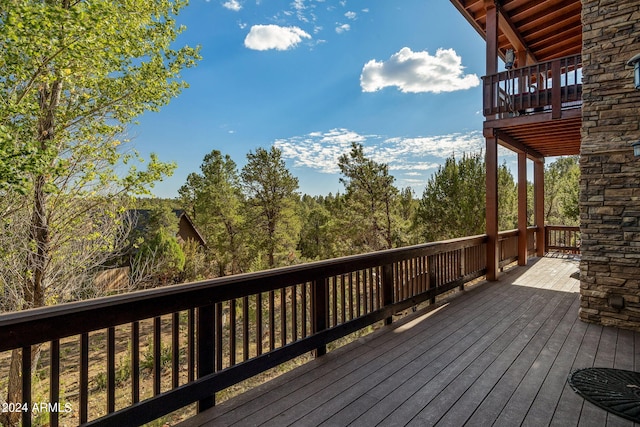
(499, 354)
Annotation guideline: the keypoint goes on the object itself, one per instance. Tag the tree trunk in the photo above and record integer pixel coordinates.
(38, 257)
(14, 389)
(39, 235)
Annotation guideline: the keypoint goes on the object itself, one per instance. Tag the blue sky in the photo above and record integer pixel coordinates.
(311, 76)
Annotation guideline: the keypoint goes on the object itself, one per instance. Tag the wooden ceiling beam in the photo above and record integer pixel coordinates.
(517, 146)
(513, 35)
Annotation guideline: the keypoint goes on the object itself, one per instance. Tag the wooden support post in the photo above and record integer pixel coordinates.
(206, 350)
(523, 80)
(387, 289)
(522, 208)
(538, 201)
(492, 37)
(320, 310)
(492, 208)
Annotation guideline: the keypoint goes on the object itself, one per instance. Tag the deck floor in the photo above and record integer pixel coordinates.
(499, 354)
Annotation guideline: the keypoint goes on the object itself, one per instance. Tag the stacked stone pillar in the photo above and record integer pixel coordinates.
(610, 174)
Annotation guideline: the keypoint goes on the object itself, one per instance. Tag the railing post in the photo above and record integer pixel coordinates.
(206, 349)
(433, 279)
(387, 289)
(462, 270)
(319, 310)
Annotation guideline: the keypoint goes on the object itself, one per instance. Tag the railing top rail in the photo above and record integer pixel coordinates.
(33, 326)
(541, 64)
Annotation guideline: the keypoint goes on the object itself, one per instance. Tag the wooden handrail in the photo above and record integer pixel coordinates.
(546, 86)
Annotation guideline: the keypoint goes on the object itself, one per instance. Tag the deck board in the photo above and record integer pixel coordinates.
(498, 354)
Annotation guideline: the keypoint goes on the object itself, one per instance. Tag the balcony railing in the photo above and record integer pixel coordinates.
(210, 335)
(562, 238)
(213, 334)
(547, 86)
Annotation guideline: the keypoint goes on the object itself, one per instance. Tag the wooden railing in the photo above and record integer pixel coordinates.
(209, 335)
(508, 247)
(547, 86)
(562, 238)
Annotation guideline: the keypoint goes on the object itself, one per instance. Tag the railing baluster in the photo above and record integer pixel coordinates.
(272, 321)
(304, 309)
(294, 313)
(232, 332)
(283, 317)
(358, 294)
(343, 299)
(111, 369)
(54, 381)
(175, 350)
(26, 386)
(83, 410)
(191, 348)
(157, 354)
(334, 301)
(218, 336)
(245, 328)
(135, 362)
(258, 324)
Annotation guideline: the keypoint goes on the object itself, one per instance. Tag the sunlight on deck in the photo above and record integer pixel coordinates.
(415, 322)
(552, 272)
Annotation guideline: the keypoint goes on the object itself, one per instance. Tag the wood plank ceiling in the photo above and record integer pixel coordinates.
(545, 30)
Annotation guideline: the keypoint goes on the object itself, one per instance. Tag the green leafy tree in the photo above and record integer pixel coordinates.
(271, 199)
(407, 208)
(72, 76)
(315, 235)
(453, 202)
(507, 199)
(562, 187)
(158, 258)
(370, 201)
(215, 200)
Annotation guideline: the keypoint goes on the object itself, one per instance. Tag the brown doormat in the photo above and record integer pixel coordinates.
(614, 390)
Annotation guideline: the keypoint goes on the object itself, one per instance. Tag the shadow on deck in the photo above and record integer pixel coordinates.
(498, 354)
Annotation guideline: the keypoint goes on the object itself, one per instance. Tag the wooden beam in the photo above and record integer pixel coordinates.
(493, 254)
(513, 35)
(522, 209)
(531, 119)
(517, 146)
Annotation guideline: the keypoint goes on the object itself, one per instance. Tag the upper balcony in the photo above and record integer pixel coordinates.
(538, 106)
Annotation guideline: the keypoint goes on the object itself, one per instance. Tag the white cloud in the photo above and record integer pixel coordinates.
(265, 37)
(320, 150)
(350, 15)
(232, 5)
(414, 72)
(341, 28)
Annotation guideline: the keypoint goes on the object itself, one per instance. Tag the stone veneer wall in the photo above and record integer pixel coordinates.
(610, 180)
